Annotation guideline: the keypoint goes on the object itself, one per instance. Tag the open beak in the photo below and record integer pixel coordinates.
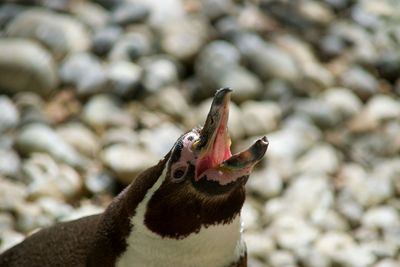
(215, 157)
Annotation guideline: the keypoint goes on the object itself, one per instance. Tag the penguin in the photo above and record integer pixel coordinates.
(184, 211)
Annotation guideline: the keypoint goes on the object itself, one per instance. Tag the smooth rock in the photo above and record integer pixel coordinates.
(387, 263)
(343, 101)
(124, 77)
(360, 81)
(85, 72)
(84, 209)
(104, 39)
(129, 13)
(6, 221)
(102, 111)
(266, 183)
(282, 258)
(10, 163)
(25, 66)
(171, 101)
(127, 161)
(11, 193)
(93, 15)
(80, 137)
(323, 159)
(62, 34)
(30, 217)
(322, 114)
(381, 108)
(194, 32)
(131, 46)
(267, 59)
(159, 72)
(381, 217)
(124, 135)
(260, 118)
(98, 182)
(45, 177)
(258, 244)
(292, 232)
(41, 138)
(9, 238)
(9, 115)
(159, 140)
(53, 207)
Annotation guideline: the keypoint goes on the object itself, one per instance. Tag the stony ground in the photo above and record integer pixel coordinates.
(95, 92)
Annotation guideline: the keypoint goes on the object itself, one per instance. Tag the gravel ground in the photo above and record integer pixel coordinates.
(94, 92)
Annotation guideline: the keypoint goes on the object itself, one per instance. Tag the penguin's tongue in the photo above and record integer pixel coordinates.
(216, 160)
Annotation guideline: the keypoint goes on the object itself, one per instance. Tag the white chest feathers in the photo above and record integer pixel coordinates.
(214, 246)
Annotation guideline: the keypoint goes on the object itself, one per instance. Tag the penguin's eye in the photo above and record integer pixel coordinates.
(179, 174)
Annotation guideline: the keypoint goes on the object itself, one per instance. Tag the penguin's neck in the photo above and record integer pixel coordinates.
(214, 246)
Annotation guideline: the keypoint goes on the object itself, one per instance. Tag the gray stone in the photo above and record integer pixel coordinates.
(381, 217)
(80, 137)
(9, 163)
(25, 66)
(9, 115)
(98, 182)
(322, 114)
(260, 118)
(62, 34)
(128, 13)
(124, 77)
(11, 193)
(245, 84)
(127, 161)
(159, 72)
(293, 232)
(267, 59)
(258, 244)
(282, 258)
(104, 39)
(382, 108)
(387, 263)
(93, 15)
(85, 72)
(160, 139)
(170, 100)
(6, 221)
(343, 101)
(321, 159)
(102, 111)
(53, 207)
(131, 46)
(194, 32)
(360, 81)
(41, 138)
(124, 135)
(29, 217)
(45, 177)
(266, 183)
(84, 209)
(9, 238)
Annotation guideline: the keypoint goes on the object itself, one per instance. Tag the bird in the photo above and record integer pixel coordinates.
(183, 211)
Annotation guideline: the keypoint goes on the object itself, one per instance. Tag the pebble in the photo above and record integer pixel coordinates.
(281, 258)
(260, 117)
(344, 101)
(61, 34)
(30, 217)
(129, 13)
(159, 72)
(321, 159)
(170, 100)
(127, 161)
(41, 138)
(80, 137)
(381, 108)
(10, 163)
(91, 14)
(45, 177)
(322, 114)
(259, 245)
(25, 66)
(124, 77)
(381, 217)
(102, 111)
(360, 81)
(11, 193)
(104, 39)
(130, 46)
(194, 32)
(267, 183)
(9, 238)
(85, 72)
(9, 115)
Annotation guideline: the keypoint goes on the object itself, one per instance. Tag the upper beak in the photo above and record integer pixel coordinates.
(214, 142)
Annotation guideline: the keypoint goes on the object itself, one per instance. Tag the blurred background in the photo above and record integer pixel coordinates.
(93, 92)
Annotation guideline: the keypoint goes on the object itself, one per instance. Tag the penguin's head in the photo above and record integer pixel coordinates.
(203, 182)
